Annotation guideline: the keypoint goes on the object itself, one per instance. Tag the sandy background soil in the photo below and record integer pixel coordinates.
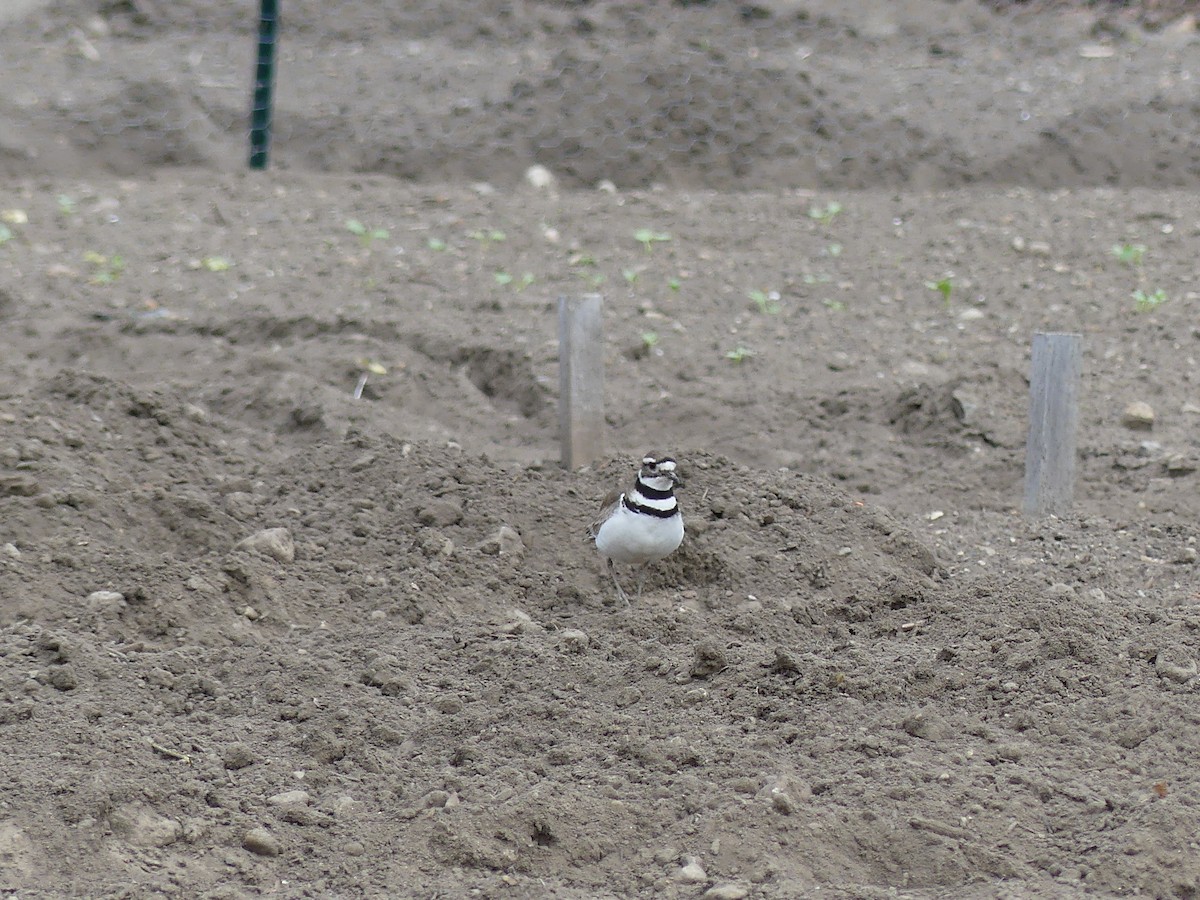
(262, 637)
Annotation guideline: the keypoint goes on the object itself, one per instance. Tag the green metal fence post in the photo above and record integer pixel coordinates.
(264, 81)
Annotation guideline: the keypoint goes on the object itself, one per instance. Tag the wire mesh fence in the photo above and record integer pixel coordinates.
(727, 95)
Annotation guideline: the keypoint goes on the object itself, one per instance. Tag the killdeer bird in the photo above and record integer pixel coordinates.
(643, 524)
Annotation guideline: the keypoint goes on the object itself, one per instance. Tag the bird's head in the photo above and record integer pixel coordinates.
(659, 471)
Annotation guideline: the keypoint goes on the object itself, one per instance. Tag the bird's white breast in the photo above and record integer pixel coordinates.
(629, 537)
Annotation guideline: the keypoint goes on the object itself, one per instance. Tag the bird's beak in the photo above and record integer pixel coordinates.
(676, 480)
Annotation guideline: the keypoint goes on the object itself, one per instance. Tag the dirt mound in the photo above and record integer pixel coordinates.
(415, 648)
(721, 96)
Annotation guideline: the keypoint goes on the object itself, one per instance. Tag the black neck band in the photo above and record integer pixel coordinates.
(636, 507)
(653, 493)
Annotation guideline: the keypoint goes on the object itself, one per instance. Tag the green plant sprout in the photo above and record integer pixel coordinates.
(365, 235)
(436, 244)
(490, 236)
(674, 284)
(767, 302)
(630, 276)
(504, 279)
(216, 263)
(738, 355)
(648, 237)
(1147, 302)
(1129, 254)
(944, 286)
(650, 341)
(66, 205)
(834, 250)
(6, 234)
(105, 269)
(810, 278)
(835, 305)
(825, 214)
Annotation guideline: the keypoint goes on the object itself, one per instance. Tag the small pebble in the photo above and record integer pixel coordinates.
(261, 842)
(540, 177)
(1179, 671)
(505, 542)
(573, 640)
(276, 543)
(692, 872)
(726, 892)
(440, 513)
(1178, 465)
(289, 797)
(11, 550)
(105, 603)
(1138, 416)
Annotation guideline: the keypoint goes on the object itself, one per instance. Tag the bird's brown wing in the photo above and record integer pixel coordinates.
(606, 510)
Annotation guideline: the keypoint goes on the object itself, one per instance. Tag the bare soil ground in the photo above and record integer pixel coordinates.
(260, 636)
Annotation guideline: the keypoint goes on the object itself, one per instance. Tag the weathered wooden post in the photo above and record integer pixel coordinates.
(581, 379)
(1053, 419)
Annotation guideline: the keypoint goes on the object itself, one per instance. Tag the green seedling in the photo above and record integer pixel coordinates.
(674, 284)
(650, 340)
(66, 205)
(1129, 254)
(738, 355)
(490, 236)
(105, 269)
(630, 276)
(767, 302)
(504, 279)
(1147, 302)
(216, 263)
(834, 250)
(586, 261)
(647, 237)
(944, 286)
(835, 305)
(810, 278)
(365, 235)
(825, 214)
(11, 217)
(436, 244)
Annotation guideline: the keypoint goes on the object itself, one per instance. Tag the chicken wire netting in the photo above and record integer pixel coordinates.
(844, 93)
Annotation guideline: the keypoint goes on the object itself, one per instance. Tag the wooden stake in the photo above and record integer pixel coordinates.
(1053, 419)
(581, 379)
